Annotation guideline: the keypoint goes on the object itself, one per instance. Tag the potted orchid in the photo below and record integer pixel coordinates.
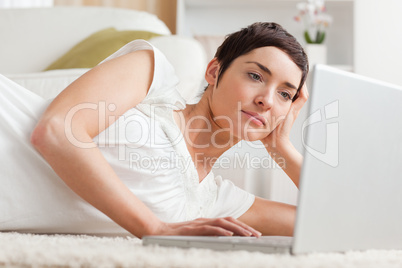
(315, 19)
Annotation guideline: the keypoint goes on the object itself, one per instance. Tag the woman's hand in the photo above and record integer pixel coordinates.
(279, 137)
(278, 143)
(212, 227)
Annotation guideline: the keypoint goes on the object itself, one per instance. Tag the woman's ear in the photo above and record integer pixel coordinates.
(211, 74)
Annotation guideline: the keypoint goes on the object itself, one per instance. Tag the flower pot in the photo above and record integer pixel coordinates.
(317, 54)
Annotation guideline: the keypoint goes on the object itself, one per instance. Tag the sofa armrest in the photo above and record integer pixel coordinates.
(47, 84)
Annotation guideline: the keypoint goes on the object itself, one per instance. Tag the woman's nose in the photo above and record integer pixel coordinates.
(265, 101)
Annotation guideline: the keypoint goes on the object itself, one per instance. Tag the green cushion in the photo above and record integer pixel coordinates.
(98, 46)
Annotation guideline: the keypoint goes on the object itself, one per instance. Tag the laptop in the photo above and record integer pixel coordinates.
(351, 181)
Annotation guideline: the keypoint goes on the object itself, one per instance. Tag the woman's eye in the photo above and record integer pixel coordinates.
(286, 95)
(255, 77)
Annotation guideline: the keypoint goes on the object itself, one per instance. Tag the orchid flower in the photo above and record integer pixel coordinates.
(315, 19)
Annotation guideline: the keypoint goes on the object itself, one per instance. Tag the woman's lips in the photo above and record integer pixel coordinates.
(255, 118)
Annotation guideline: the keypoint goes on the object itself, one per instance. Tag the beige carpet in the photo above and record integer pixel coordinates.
(27, 250)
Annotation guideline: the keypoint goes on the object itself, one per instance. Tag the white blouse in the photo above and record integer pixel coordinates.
(144, 146)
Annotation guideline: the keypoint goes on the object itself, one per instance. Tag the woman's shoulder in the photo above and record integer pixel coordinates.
(163, 88)
(133, 46)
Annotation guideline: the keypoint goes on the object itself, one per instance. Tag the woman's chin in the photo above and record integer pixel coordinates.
(255, 136)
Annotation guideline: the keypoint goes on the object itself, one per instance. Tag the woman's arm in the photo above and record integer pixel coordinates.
(85, 170)
(279, 146)
(65, 142)
(289, 159)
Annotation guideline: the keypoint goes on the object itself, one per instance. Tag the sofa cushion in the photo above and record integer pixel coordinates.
(32, 38)
(93, 49)
(185, 54)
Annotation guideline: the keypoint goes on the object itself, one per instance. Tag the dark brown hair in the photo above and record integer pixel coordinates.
(262, 34)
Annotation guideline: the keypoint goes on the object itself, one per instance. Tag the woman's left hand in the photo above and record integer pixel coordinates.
(278, 143)
(279, 137)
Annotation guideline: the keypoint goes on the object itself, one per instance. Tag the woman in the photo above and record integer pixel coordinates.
(96, 134)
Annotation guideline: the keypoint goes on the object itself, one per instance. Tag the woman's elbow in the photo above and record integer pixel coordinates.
(56, 133)
(46, 133)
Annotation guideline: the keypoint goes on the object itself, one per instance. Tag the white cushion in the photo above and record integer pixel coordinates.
(33, 38)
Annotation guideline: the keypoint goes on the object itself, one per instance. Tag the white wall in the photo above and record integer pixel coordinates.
(221, 17)
(378, 39)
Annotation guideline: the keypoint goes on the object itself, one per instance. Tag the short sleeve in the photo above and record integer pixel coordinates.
(231, 201)
(163, 90)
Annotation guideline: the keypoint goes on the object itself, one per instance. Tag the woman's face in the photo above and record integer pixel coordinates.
(255, 93)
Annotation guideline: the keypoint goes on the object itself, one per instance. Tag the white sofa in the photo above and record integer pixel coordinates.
(33, 38)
